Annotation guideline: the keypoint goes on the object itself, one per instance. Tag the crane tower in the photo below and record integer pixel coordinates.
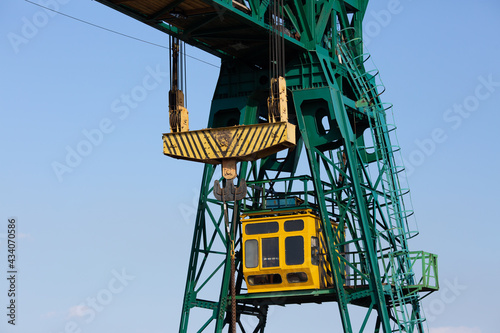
(295, 82)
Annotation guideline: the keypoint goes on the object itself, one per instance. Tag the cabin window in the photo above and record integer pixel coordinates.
(294, 250)
(251, 253)
(314, 251)
(296, 277)
(261, 228)
(270, 252)
(294, 225)
(256, 280)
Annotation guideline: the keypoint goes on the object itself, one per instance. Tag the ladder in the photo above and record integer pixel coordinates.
(395, 260)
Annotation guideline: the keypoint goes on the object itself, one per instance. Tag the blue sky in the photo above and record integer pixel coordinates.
(116, 224)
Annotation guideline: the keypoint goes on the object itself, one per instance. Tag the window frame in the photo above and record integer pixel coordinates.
(249, 226)
(291, 254)
(273, 259)
(256, 250)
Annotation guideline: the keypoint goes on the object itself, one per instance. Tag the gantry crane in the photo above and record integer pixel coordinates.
(294, 82)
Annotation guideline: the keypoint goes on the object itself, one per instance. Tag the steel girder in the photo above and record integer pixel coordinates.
(335, 103)
(346, 187)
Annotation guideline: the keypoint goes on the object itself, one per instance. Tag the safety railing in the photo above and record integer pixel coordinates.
(283, 194)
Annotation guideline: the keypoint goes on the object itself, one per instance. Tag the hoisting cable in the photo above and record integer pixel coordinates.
(174, 83)
(276, 59)
(178, 114)
(184, 72)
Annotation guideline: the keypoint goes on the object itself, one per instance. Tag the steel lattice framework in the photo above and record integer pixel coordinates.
(344, 132)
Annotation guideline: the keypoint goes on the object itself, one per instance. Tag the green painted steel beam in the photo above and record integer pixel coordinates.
(334, 101)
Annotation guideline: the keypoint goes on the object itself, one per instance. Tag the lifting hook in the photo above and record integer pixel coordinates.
(230, 192)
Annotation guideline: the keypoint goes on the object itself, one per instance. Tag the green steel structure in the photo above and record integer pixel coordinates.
(344, 131)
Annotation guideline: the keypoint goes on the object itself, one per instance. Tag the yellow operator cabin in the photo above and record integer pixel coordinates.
(284, 252)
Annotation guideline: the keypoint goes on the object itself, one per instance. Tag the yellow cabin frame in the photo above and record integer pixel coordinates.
(284, 252)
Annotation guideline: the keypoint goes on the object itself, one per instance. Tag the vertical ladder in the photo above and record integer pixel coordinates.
(395, 260)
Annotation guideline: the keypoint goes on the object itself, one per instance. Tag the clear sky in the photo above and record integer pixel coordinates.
(115, 225)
